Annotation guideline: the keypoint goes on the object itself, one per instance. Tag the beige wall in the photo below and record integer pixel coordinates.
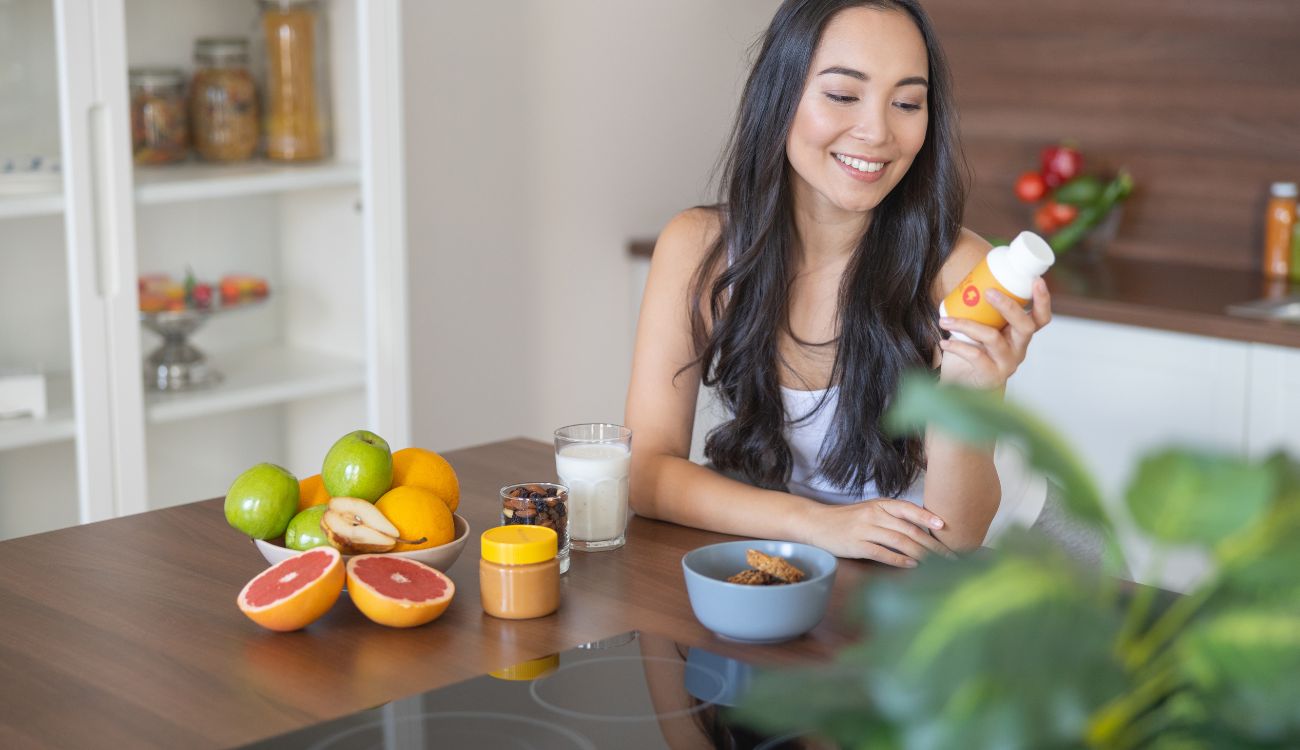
(541, 136)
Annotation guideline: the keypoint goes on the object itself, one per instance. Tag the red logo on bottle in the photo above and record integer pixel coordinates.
(971, 296)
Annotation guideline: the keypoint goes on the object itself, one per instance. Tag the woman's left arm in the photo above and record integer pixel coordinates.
(961, 484)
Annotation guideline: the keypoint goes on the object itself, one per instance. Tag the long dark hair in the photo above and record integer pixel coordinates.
(887, 318)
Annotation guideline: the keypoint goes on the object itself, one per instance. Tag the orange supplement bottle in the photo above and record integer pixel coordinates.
(1011, 269)
(519, 575)
(1280, 221)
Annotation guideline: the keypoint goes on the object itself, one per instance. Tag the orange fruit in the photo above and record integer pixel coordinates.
(294, 592)
(417, 467)
(397, 591)
(311, 492)
(417, 512)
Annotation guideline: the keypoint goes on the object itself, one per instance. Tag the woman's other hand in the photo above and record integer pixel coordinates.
(995, 355)
(894, 532)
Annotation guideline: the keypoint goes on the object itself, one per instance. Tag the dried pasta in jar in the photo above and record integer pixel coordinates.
(296, 123)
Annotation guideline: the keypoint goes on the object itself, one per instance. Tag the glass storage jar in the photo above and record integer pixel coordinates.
(223, 100)
(296, 111)
(519, 576)
(159, 131)
(539, 504)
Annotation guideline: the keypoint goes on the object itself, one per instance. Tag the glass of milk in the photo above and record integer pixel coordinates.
(593, 461)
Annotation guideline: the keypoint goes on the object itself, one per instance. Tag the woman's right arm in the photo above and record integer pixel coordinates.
(661, 404)
(666, 485)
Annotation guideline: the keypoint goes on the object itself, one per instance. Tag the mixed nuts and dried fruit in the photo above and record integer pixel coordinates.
(537, 505)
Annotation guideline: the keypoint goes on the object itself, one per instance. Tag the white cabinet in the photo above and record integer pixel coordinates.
(1274, 416)
(1117, 392)
(326, 355)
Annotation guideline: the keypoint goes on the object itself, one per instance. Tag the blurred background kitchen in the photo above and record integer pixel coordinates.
(440, 221)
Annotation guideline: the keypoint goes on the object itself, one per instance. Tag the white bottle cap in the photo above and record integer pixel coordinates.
(1030, 255)
(1284, 190)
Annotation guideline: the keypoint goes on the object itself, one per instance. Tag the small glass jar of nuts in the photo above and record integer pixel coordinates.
(539, 504)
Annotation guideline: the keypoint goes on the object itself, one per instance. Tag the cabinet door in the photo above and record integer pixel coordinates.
(94, 124)
(388, 397)
(1116, 392)
(1274, 401)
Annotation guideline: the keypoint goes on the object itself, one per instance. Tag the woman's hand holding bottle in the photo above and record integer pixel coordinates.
(994, 354)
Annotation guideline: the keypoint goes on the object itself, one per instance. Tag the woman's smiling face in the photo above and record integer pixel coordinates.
(863, 115)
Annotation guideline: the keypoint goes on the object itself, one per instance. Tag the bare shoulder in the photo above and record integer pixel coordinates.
(687, 237)
(966, 254)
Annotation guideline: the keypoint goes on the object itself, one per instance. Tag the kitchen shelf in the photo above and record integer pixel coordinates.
(260, 376)
(188, 182)
(18, 205)
(192, 182)
(58, 424)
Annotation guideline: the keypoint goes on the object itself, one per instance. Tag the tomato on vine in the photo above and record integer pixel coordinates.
(1030, 187)
(1060, 164)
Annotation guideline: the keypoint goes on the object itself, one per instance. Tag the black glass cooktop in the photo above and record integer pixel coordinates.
(635, 690)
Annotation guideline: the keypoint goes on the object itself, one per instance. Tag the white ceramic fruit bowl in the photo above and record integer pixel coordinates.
(440, 557)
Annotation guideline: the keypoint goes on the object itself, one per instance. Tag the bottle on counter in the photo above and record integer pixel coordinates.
(223, 100)
(1295, 252)
(1011, 269)
(1280, 220)
(296, 108)
(159, 126)
(519, 575)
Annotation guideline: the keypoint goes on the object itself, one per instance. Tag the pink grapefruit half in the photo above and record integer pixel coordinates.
(294, 592)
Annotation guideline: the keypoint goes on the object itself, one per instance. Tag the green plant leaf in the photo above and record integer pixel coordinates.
(1262, 564)
(1012, 648)
(1182, 496)
(980, 417)
(1246, 664)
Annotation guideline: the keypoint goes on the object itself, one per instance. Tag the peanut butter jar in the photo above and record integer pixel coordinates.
(519, 575)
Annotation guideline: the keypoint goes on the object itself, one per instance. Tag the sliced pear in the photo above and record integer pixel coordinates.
(365, 513)
(356, 538)
(363, 526)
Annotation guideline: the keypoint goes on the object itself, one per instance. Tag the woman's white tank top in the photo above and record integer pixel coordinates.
(806, 430)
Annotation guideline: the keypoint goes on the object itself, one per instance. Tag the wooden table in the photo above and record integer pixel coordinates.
(125, 633)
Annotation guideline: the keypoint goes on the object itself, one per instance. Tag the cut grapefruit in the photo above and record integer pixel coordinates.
(294, 592)
(398, 592)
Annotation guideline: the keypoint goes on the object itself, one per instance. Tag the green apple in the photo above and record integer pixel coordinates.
(262, 501)
(305, 531)
(360, 465)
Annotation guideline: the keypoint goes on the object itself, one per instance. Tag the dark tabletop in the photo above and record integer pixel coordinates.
(125, 633)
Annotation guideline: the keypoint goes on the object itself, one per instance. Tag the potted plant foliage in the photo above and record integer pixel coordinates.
(1021, 647)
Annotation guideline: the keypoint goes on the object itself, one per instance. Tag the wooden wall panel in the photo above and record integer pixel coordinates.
(1199, 99)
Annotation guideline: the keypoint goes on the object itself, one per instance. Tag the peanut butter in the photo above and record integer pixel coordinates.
(519, 575)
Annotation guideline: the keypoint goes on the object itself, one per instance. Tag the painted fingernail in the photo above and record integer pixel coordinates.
(937, 523)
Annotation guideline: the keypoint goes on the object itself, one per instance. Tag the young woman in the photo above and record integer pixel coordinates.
(804, 295)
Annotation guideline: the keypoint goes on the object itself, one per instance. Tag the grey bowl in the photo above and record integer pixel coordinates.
(758, 614)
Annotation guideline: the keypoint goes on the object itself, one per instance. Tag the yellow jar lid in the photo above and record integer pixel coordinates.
(529, 670)
(519, 545)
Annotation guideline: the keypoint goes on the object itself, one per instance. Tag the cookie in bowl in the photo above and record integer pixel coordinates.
(784, 598)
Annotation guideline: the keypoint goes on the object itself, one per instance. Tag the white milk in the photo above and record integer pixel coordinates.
(596, 475)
